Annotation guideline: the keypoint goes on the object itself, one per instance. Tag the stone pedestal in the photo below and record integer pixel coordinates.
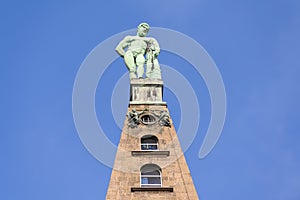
(146, 91)
(148, 117)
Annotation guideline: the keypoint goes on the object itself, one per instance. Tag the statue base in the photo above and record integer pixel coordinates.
(146, 91)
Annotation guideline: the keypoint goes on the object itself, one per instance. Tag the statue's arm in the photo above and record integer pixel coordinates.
(122, 45)
(155, 47)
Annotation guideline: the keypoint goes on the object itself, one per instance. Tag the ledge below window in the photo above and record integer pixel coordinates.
(151, 189)
(150, 153)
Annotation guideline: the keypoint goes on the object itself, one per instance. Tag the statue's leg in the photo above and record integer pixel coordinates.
(140, 60)
(156, 72)
(149, 70)
(129, 61)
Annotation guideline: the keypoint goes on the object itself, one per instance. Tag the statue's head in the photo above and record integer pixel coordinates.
(143, 29)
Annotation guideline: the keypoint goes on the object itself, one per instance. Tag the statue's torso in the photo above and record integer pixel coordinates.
(137, 45)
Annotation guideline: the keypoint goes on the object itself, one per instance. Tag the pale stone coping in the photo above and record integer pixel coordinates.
(154, 189)
(147, 102)
(145, 81)
(154, 153)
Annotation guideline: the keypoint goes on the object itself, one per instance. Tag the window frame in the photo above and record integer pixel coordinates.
(149, 185)
(149, 144)
(152, 118)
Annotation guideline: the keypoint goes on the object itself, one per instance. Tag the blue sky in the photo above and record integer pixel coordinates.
(255, 45)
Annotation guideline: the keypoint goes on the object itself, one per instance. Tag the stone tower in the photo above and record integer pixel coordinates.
(149, 163)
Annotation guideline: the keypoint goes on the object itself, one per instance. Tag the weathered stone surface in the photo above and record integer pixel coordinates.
(148, 115)
(146, 91)
(174, 169)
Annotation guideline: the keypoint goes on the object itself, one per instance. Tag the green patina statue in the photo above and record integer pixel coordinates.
(140, 50)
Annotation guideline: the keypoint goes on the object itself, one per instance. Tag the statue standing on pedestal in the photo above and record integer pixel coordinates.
(140, 50)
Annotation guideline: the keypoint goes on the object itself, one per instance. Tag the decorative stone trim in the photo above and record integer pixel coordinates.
(135, 117)
(152, 189)
(163, 103)
(150, 153)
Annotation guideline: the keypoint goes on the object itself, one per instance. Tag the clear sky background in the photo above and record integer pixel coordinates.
(255, 45)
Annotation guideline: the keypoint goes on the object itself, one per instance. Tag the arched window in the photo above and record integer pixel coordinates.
(149, 142)
(150, 176)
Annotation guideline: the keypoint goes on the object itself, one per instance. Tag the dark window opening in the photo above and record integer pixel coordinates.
(149, 142)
